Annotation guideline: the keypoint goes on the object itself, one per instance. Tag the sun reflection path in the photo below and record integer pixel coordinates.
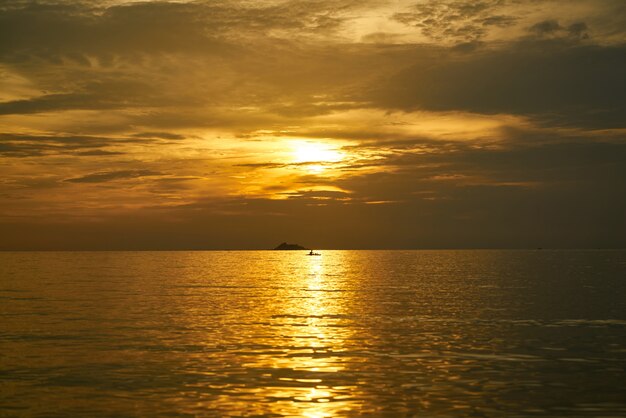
(312, 382)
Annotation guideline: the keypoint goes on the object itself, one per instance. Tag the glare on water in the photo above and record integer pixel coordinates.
(265, 333)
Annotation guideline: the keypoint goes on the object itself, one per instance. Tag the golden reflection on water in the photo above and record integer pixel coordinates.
(261, 333)
(307, 321)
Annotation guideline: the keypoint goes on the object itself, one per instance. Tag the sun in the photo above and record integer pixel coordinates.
(315, 152)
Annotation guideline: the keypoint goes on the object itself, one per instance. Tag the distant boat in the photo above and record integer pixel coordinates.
(312, 253)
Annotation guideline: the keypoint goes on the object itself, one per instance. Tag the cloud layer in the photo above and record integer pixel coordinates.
(176, 124)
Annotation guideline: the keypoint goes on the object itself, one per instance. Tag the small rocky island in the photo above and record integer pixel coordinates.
(285, 246)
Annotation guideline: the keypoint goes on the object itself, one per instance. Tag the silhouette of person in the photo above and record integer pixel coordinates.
(311, 253)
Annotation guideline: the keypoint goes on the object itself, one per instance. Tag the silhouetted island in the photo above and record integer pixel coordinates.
(285, 246)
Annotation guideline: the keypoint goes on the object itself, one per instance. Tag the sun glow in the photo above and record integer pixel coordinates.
(315, 152)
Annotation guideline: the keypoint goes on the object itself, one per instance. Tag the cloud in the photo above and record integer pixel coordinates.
(459, 21)
(159, 135)
(534, 188)
(578, 30)
(458, 217)
(547, 27)
(478, 123)
(20, 145)
(552, 28)
(51, 102)
(107, 176)
(207, 27)
(98, 153)
(221, 64)
(28, 145)
(568, 83)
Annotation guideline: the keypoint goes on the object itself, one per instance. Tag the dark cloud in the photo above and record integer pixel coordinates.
(98, 153)
(547, 27)
(21, 150)
(159, 135)
(52, 102)
(13, 145)
(516, 156)
(381, 38)
(24, 145)
(501, 21)
(552, 28)
(461, 21)
(89, 93)
(567, 83)
(157, 26)
(578, 30)
(112, 176)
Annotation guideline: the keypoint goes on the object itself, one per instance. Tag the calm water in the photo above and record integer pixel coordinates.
(373, 333)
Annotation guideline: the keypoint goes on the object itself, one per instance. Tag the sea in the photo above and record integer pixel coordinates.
(481, 333)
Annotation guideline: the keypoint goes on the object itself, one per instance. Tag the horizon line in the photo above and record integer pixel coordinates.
(330, 249)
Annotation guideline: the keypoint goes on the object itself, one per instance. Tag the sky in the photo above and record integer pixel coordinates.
(330, 123)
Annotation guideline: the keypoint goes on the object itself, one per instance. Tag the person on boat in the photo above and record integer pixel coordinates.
(311, 253)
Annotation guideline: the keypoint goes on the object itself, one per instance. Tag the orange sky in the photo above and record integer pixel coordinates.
(336, 124)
